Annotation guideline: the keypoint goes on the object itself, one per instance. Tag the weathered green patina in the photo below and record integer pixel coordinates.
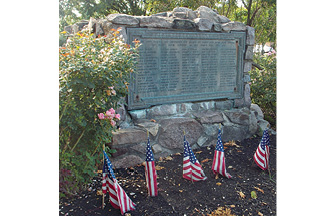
(182, 66)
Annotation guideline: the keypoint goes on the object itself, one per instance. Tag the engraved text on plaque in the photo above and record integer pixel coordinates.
(178, 67)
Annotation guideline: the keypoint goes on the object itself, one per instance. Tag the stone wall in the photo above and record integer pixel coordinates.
(239, 118)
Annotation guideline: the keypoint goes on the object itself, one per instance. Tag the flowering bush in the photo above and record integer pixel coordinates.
(93, 77)
(263, 85)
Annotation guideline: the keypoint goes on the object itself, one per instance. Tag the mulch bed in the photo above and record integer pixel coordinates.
(178, 196)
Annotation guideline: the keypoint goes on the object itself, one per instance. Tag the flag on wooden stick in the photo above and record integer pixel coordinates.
(219, 165)
(192, 170)
(150, 172)
(261, 155)
(117, 196)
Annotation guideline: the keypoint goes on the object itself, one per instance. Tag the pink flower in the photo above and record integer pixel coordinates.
(109, 115)
(101, 116)
(117, 116)
(111, 87)
(113, 123)
(111, 110)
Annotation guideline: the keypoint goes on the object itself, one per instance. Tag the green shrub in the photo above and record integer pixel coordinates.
(93, 77)
(263, 85)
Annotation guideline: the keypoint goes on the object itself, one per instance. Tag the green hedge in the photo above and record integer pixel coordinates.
(263, 84)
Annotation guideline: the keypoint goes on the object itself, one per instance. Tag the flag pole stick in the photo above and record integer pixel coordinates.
(268, 127)
(146, 177)
(103, 195)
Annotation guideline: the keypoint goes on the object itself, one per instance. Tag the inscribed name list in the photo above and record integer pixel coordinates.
(178, 67)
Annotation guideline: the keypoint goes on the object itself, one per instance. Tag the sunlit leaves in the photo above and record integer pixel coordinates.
(88, 68)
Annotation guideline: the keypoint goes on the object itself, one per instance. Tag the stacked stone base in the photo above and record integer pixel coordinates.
(166, 124)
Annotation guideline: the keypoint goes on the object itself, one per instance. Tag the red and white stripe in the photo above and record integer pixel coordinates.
(113, 199)
(219, 164)
(125, 203)
(192, 171)
(261, 157)
(150, 174)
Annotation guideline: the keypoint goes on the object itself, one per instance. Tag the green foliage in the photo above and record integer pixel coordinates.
(157, 6)
(71, 11)
(265, 25)
(93, 76)
(263, 85)
(254, 195)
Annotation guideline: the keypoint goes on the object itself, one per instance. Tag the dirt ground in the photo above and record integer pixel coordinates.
(178, 196)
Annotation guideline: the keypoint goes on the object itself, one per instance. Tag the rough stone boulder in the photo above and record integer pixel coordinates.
(184, 13)
(255, 108)
(128, 136)
(183, 24)
(234, 26)
(151, 127)
(123, 19)
(171, 132)
(235, 132)
(210, 14)
(203, 24)
(127, 161)
(155, 21)
(209, 117)
(238, 117)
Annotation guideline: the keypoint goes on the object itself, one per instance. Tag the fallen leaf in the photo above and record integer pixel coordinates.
(177, 153)
(216, 177)
(168, 158)
(221, 211)
(259, 213)
(159, 167)
(259, 189)
(239, 176)
(232, 206)
(180, 191)
(218, 183)
(198, 152)
(208, 159)
(231, 143)
(99, 171)
(152, 120)
(241, 194)
(99, 192)
(229, 167)
(253, 195)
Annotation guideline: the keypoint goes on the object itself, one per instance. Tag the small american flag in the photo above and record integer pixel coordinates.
(192, 170)
(261, 155)
(219, 158)
(117, 196)
(150, 172)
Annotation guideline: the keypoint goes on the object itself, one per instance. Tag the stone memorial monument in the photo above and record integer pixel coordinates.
(192, 75)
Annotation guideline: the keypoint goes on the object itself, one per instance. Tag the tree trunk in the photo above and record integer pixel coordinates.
(248, 21)
(229, 6)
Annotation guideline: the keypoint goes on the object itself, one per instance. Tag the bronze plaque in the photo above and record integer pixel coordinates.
(176, 67)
